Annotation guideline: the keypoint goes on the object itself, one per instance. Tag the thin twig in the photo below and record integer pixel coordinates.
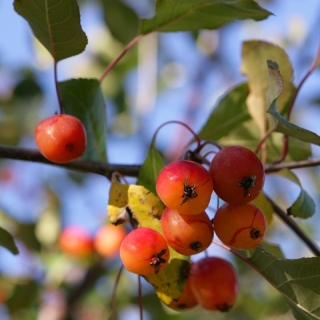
(292, 165)
(295, 228)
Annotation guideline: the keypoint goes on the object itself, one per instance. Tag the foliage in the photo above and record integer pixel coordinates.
(255, 113)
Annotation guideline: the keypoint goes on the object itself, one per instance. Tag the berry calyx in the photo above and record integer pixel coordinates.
(214, 283)
(186, 234)
(185, 186)
(144, 251)
(61, 138)
(240, 226)
(238, 174)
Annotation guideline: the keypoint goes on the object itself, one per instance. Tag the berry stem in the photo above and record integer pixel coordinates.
(197, 139)
(140, 297)
(119, 57)
(55, 75)
(113, 295)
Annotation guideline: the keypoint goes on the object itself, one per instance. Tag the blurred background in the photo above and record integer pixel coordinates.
(154, 83)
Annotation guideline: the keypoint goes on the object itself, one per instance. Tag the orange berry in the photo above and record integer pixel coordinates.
(61, 138)
(187, 234)
(214, 283)
(240, 226)
(108, 239)
(75, 241)
(185, 186)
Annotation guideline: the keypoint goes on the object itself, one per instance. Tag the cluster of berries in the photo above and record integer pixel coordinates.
(236, 175)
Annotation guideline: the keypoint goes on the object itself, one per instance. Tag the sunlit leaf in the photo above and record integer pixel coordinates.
(298, 280)
(137, 202)
(122, 21)
(254, 56)
(83, 98)
(182, 15)
(56, 24)
(284, 126)
(7, 241)
(230, 112)
(150, 169)
(304, 206)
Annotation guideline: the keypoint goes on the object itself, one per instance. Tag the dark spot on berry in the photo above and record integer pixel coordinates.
(70, 147)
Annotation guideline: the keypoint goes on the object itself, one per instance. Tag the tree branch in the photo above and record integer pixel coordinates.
(295, 227)
(292, 165)
(102, 168)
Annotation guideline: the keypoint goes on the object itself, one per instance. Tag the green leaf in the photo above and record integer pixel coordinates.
(229, 113)
(304, 206)
(56, 24)
(284, 126)
(7, 241)
(121, 20)
(298, 280)
(83, 98)
(185, 15)
(150, 169)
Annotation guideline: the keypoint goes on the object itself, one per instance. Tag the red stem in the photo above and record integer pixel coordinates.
(119, 57)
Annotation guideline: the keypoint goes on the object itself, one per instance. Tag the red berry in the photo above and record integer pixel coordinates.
(61, 138)
(214, 283)
(108, 239)
(185, 186)
(240, 226)
(75, 241)
(238, 174)
(144, 251)
(186, 234)
(186, 300)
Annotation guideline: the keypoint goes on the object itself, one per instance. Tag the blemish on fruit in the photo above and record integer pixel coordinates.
(70, 147)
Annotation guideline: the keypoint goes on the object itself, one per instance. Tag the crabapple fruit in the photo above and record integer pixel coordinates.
(240, 226)
(187, 300)
(144, 251)
(75, 241)
(238, 174)
(61, 138)
(185, 186)
(108, 239)
(186, 234)
(214, 283)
